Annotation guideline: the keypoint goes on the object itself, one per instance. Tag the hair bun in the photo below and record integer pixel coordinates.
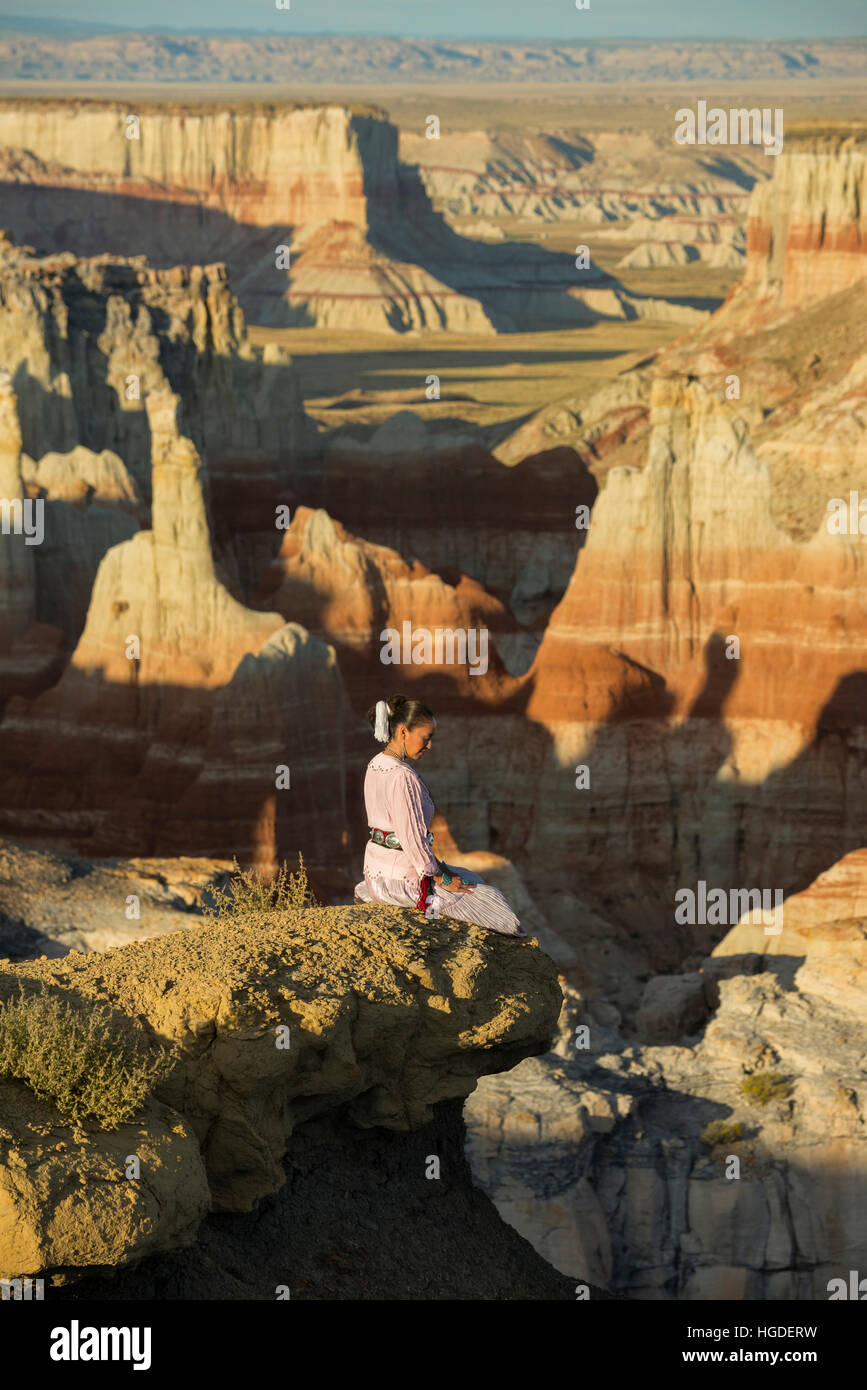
(399, 710)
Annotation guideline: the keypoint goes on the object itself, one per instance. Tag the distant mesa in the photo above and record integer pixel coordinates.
(382, 60)
(362, 246)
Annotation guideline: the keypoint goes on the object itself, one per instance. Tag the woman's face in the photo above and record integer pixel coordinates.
(417, 740)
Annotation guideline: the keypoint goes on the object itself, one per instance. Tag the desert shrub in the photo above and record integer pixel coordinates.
(249, 893)
(764, 1086)
(721, 1132)
(78, 1058)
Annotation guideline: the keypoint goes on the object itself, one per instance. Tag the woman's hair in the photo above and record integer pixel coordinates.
(412, 713)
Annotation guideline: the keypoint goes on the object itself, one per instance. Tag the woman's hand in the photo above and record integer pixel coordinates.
(454, 886)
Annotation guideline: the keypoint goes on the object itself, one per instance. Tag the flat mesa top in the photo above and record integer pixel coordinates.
(826, 132)
(196, 108)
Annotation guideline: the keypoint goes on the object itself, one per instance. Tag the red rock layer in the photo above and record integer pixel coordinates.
(807, 227)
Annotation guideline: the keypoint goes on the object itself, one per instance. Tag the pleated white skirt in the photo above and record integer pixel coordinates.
(485, 906)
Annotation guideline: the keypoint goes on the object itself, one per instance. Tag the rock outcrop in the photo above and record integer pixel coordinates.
(86, 342)
(148, 540)
(823, 944)
(179, 703)
(727, 1164)
(807, 228)
(56, 903)
(309, 206)
(30, 650)
(430, 1010)
(348, 592)
(684, 510)
(18, 579)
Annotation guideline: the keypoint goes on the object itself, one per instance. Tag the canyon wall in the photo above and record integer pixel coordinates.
(309, 206)
(259, 164)
(668, 562)
(701, 660)
(180, 702)
(807, 227)
(30, 650)
(591, 177)
(717, 1152)
(702, 678)
(17, 568)
(503, 525)
(86, 341)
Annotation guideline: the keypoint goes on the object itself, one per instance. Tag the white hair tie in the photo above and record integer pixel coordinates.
(380, 731)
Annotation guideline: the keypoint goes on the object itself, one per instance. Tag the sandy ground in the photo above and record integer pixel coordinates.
(592, 106)
(504, 378)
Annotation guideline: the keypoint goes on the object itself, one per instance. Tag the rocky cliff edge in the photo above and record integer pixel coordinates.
(367, 1017)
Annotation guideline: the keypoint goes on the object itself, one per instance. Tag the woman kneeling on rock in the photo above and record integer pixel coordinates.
(399, 867)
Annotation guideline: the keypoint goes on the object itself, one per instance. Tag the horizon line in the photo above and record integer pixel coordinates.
(95, 29)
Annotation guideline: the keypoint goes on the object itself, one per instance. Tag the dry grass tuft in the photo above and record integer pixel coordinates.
(78, 1059)
(249, 893)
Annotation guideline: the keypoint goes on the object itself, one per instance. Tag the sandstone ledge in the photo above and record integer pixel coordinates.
(388, 1016)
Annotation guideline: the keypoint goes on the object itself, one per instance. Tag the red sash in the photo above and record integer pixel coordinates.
(424, 896)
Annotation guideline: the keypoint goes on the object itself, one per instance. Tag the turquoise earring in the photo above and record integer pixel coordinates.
(403, 752)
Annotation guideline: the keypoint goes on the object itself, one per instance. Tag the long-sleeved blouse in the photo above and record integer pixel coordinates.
(397, 800)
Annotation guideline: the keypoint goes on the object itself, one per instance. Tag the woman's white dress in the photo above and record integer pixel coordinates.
(397, 800)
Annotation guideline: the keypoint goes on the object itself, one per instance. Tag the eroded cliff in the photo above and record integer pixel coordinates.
(301, 1038)
(714, 1148)
(807, 227)
(309, 206)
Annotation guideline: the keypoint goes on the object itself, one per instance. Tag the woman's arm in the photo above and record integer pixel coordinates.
(407, 816)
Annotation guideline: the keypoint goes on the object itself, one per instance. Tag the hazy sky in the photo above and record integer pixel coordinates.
(474, 18)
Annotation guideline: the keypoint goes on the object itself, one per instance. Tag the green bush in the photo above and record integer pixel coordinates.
(249, 893)
(764, 1086)
(720, 1132)
(77, 1058)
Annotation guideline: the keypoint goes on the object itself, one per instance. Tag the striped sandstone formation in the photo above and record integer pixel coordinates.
(180, 704)
(308, 205)
(807, 228)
